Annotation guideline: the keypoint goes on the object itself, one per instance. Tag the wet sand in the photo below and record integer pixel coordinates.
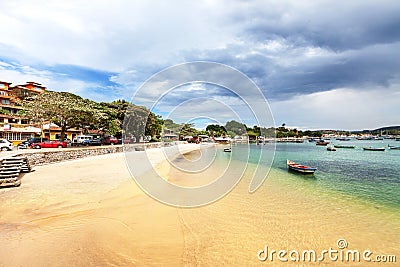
(91, 212)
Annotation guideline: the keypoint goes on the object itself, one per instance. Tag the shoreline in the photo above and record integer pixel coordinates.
(92, 213)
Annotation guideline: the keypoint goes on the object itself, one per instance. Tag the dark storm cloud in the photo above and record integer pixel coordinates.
(373, 66)
(336, 25)
(318, 46)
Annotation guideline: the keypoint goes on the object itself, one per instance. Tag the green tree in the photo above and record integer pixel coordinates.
(252, 135)
(115, 111)
(236, 127)
(231, 134)
(188, 129)
(268, 132)
(63, 108)
(171, 125)
(135, 121)
(139, 120)
(216, 130)
(154, 125)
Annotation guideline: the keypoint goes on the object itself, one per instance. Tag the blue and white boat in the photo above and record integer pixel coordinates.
(300, 168)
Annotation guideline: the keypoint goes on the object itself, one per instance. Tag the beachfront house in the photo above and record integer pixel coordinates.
(28, 89)
(53, 132)
(14, 127)
(203, 138)
(169, 135)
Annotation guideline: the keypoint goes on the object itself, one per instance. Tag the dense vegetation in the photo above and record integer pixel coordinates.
(71, 111)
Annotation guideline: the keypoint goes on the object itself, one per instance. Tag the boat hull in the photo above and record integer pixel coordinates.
(343, 139)
(374, 149)
(322, 143)
(292, 166)
(342, 146)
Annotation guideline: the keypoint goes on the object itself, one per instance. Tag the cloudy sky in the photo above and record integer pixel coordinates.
(320, 64)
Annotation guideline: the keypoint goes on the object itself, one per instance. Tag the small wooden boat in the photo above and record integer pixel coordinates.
(227, 149)
(344, 146)
(394, 147)
(322, 143)
(300, 168)
(331, 148)
(343, 139)
(374, 148)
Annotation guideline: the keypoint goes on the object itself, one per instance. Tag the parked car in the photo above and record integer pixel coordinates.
(28, 142)
(5, 145)
(49, 144)
(110, 140)
(129, 140)
(81, 140)
(94, 142)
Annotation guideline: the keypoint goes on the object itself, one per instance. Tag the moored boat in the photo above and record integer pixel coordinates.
(300, 168)
(374, 148)
(394, 147)
(331, 148)
(322, 143)
(227, 149)
(343, 139)
(344, 146)
(364, 138)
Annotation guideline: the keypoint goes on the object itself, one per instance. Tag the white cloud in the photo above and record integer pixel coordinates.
(21, 74)
(109, 36)
(343, 108)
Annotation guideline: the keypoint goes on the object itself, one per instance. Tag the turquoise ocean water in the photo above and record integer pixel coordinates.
(372, 177)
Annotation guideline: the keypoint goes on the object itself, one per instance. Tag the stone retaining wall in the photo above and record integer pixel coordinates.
(46, 157)
(41, 157)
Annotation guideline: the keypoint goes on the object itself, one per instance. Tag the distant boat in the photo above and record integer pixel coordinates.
(322, 143)
(374, 148)
(343, 139)
(389, 137)
(394, 147)
(300, 168)
(228, 149)
(331, 148)
(344, 146)
(397, 139)
(364, 138)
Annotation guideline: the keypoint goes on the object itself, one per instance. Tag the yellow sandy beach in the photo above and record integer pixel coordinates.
(91, 212)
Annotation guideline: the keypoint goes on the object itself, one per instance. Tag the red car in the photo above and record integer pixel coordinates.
(49, 144)
(110, 140)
